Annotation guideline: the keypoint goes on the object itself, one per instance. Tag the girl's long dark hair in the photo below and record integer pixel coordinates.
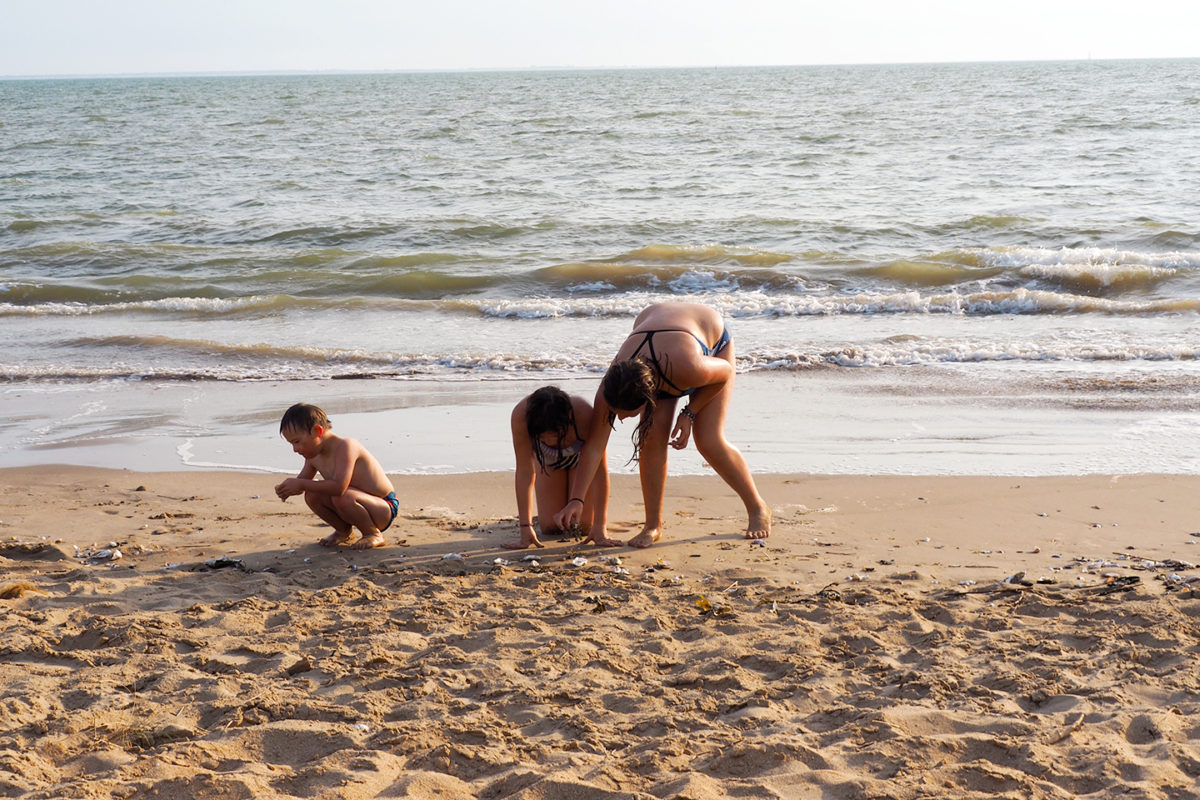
(548, 410)
(627, 386)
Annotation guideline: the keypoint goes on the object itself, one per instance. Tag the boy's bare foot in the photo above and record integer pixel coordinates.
(646, 538)
(336, 538)
(369, 541)
(759, 526)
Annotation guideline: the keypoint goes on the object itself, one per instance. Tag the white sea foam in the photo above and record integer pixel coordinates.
(696, 282)
(203, 305)
(762, 304)
(921, 352)
(1086, 257)
(594, 301)
(187, 459)
(1105, 275)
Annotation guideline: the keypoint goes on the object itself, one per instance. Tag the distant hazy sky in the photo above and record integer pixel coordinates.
(86, 37)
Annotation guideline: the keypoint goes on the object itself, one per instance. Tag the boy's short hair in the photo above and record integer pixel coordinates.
(303, 417)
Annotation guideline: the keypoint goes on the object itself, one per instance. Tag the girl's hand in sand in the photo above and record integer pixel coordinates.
(570, 515)
(682, 432)
(528, 539)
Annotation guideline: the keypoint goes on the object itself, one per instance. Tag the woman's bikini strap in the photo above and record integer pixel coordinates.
(648, 343)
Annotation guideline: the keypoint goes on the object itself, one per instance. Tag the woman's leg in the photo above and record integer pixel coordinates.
(708, 432)
(652, 469)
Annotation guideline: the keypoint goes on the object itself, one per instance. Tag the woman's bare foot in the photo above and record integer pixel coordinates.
(523, 543)
(647, 537)
(600, 539)
(759, 526)
(336, 538)
(370, 540)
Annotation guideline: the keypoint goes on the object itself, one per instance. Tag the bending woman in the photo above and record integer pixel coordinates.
(675, 350)
(546, 439)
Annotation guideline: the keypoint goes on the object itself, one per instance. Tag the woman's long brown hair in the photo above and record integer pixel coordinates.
(627, 386)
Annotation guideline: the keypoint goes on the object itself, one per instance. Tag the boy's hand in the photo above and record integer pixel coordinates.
(288, 488)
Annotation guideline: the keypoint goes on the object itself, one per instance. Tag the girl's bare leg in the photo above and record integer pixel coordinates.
(652, 469)
(708, 432)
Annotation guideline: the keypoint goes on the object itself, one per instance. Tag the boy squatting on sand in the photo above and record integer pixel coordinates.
(354, 491)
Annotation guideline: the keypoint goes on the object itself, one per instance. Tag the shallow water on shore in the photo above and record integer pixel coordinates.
(816, 423)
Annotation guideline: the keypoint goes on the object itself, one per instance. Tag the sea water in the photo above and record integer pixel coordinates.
(926, 268)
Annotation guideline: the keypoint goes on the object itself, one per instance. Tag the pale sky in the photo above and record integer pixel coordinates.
(106, 37)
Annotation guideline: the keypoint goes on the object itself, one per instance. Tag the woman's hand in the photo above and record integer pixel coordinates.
(683, 430)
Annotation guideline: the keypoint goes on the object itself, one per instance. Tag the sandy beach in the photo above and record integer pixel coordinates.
(896, 637)
(986, 274)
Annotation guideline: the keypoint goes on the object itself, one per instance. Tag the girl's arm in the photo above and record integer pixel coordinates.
(523, 481)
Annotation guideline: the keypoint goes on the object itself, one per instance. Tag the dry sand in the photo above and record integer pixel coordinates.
(872, 648)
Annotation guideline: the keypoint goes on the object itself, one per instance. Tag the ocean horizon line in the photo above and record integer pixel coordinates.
(305, 72)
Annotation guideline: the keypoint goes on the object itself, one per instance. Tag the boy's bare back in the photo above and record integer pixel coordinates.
(341, 455)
